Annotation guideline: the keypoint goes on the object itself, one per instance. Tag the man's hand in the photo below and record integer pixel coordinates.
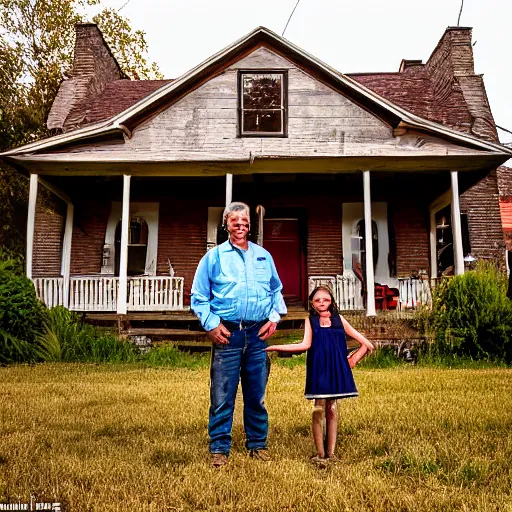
(219, 335)
(267, 330)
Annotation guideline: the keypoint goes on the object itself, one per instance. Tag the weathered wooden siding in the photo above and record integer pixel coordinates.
(412, 238)
(182, 238)
(202, 126)
(325, 248)
(481, 203)
(320, 121)
(49, 228)
(89, 228)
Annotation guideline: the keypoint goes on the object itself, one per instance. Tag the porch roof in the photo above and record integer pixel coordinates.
(84, 165)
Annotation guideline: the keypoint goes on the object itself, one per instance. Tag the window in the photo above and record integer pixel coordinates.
(137, 246)
(263, 103)
(142, 239)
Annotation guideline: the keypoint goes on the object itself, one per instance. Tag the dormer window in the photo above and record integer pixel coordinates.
(263, 103)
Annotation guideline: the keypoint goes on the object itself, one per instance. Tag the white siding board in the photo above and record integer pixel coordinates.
(262, 58)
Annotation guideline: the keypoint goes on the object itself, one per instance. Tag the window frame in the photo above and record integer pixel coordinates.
(284, 102)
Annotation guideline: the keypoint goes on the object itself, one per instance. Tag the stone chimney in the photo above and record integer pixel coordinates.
(451, 70)
(93, 67)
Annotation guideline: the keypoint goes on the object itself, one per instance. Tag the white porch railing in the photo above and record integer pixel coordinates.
(346, 290)
(99, 293)
(50, 290)
(414, 292)
(348, 293)
(93, 293)
(155, 293)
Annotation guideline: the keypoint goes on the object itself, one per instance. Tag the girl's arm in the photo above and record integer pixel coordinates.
(366, 345)
(296, 347)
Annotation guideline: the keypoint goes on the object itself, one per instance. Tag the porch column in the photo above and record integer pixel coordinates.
(123, 260)
(260, 212)
(368, 237)
(66, 253)
(229, 188)
(433, 245)
(31, 222)
(458, 255)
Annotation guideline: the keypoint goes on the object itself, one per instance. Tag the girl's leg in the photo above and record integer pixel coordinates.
(331, 418)
(318, 427)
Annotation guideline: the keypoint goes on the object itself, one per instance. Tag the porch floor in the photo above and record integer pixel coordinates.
(182, 327)
(175, 325)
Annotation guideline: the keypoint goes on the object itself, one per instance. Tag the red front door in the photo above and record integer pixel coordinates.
(281, 239)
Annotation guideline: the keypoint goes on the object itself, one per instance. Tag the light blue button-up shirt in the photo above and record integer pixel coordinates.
(236, 285)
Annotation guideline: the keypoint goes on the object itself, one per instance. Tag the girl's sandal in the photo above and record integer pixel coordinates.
(319, 461)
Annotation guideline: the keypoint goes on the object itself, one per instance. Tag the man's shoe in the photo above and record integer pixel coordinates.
(219, 460)
(260, 454)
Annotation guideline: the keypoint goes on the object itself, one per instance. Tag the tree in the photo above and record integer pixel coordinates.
(36, 52)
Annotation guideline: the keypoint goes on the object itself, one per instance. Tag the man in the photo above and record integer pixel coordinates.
(236, 295)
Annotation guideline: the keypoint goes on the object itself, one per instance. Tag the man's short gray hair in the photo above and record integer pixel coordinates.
(235, 207)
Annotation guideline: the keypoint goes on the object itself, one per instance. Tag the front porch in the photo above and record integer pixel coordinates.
(89, 294)
(182, 327)
(337, 230)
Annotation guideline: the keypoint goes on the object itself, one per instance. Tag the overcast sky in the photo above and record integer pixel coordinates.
(351, 36)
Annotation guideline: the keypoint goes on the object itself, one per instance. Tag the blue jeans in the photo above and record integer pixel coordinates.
(245, 359)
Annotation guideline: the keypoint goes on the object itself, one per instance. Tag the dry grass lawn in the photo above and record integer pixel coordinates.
(126, 438)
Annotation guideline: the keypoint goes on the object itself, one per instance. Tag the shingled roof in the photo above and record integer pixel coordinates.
(444, 90)
(413, 93)
(117, 97)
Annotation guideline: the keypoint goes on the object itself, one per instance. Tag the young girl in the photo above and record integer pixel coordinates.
(328, 370)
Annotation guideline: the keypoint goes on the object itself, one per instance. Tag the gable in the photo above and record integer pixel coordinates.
(205, 122)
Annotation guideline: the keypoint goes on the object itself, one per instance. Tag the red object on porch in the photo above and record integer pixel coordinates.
(385, 297)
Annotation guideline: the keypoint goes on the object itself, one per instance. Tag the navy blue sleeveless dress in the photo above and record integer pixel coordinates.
(328, 373)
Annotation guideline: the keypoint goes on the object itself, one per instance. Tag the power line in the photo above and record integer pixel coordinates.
(460, 12)
(504, 129)
(124, 5)
(288, 18)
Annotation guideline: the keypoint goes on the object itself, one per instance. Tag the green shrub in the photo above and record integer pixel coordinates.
(171, 355)
(383, 357)
(66, 338)
(13, 349)
(471, 315)
(106, 347)
(21, 313)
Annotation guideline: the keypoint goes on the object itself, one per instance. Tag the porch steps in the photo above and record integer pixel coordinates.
(388, 327)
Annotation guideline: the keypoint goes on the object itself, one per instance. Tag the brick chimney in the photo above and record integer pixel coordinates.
(451, 70)
(93, 67)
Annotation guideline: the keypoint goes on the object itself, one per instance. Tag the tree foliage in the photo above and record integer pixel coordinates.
(36, 53)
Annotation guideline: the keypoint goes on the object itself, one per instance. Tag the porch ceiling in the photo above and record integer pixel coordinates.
(53, 165)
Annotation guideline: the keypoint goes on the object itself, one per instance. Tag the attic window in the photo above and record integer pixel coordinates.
(263, 103)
